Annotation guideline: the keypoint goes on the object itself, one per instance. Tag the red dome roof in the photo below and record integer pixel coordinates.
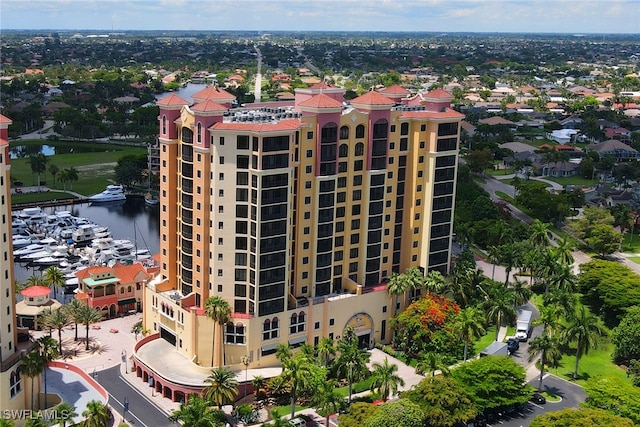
(35, 291)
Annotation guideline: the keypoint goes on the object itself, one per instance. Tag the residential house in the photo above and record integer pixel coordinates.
(616, 149)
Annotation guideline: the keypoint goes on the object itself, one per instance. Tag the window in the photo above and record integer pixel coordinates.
(360, 131)
(222, 160)
(298, 323)
(15, 383)
(359, 149)
(270, 329)
(235, 333)
(344, 132)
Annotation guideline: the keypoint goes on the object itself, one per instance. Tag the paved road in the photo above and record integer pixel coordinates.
(141, 411)
(572, 395)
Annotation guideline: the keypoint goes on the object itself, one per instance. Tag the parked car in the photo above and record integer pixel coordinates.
(513, 344)
(538, 398)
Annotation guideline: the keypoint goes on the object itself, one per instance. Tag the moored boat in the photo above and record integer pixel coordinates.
(112, 193)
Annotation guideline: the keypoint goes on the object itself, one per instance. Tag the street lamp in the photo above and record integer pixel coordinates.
(633, 227)
(245, 362)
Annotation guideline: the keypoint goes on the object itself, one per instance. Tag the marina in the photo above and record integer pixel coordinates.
(73, 237)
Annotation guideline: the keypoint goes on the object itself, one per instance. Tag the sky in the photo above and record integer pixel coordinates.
(530, 16)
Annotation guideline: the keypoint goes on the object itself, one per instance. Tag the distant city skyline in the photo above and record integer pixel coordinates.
(509, 16)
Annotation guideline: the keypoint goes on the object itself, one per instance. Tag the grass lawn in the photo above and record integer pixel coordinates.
(573, 180)
(595, 364)
(483, 342)
(504, 196)
(39, 197)
(631, 243)
(286, 409)
(635, 259)
(94, 162)
(550, 396)
(358, 387)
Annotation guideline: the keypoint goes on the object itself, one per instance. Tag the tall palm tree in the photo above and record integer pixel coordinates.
(326, 349)
(47, 348)
(584, 328)
(327, 399)
(296, 370)
(397, 286)
(65, 413)
(565, 301)
(564, 251)
(562, 277)
(549, 318)
(34, 280)
(38, 163)
(218, 310)
(468, 325)
(196, 412)
(494, 259)
(431, 362)
(96, 415)
(386, 379)
(223, 386)
(72, 175)
(283, 352)
(434, 282)
(58, 319)
(510, 257)
(499, 306)
(63, 176)
(88, 316)
(73, 309)
(54, 278)
(548, 347)
(521, 293)
(352, 361)
(44, 321)
(31, 366)
(539, 233)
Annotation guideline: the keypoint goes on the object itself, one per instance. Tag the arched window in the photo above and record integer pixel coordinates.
(235, 333)
(344, 132)
(297, 323)
(164, 125)
(360, 131)
(129, 288)
(15, 383)
(270, 329)
(187, 135)
(359, 149)
(343, 151)
(199, 133)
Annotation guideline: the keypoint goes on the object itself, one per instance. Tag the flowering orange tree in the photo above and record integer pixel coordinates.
(426, 326)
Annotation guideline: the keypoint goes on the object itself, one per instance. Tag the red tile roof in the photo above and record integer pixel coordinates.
(395, 90)
(35, 291)
(438, 93)
(172, 99)
(4, 119)
(284, 125)
(322, 85)
(208, 106)
(321, 101)
(372, 98)
(213, 93)
(127, 273)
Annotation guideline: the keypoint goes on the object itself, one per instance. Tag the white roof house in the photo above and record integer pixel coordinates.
(562, 136)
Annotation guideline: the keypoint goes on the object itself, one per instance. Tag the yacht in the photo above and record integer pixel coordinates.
(151, 200)
(20, 241)
(112, 193)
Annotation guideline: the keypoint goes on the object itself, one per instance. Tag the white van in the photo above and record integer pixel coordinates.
(298, 422)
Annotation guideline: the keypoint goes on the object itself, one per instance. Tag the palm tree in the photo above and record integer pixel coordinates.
(36, 420)
(327, 399)
(65, 413)
(58, 319)
(31, 366)
(539, 233)
(434, 282)
(499, 306)
(468, 325)
(494, 259)
(34, 280)
(196, 412)
(565, 301)
(562, 277)
(88, 316)
(96, 415)
(223, 386)
(326, 349)
(258, 382)
(510, 257)
(72, 175)
(385, 379)
(6, 422)
(73, 309)
(283, 352)
(431, 362)
(54, 278)
(54, 170)
(296, 370)
(584, 328)
(396, 286)
(549, 318)
(564, 251)
(44, 321)
(218, 310)
(38, 163)
(63, 176)
(48, 351)
(521, 293)
(352, 361)
(549, 349)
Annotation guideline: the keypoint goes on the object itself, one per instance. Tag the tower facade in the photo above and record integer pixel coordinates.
(296, 215)
(13, 393)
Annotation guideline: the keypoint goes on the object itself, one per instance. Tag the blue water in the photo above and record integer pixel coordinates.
(131, 220)
(185, 92)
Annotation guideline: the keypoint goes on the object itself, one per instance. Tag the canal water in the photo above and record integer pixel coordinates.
(132, 220)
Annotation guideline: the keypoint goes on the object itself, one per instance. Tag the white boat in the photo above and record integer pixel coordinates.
(20, 241)
(84, 234)
(48, 260)
(112, 193)
(34, 247)
(151, 200)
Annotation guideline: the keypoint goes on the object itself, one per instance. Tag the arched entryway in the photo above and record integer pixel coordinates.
(362, 325)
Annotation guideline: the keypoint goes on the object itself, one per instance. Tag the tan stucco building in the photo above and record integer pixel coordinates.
(296, 214)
